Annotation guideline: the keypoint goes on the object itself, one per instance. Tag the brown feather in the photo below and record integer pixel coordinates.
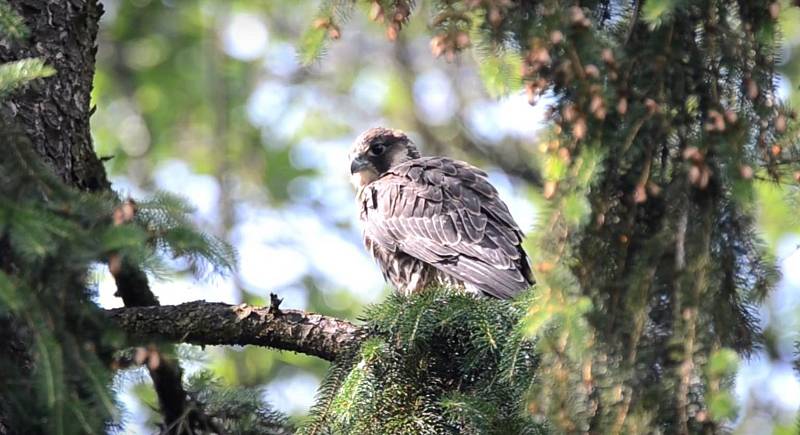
(442, 220)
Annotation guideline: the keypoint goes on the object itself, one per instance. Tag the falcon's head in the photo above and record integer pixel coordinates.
(377, 150)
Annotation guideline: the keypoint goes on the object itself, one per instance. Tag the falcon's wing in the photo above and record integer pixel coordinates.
(445, 213)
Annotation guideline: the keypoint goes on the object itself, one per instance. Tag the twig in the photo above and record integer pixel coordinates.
(274, 304)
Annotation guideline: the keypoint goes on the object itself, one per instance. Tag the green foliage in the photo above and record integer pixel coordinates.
(658, 12)
(332, 14)
(43, 294)
(50, 236)
(66, 389)
(12, 26)
(236, 410)
(646, 253)
(17, 73)
(55, 371)
(721, 368)
(166, 219)
(49, 382)
(438, 362)
(312, 45)
(500, 73)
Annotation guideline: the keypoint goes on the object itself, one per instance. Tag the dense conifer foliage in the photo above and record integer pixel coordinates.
(648, 267)
(663, 117)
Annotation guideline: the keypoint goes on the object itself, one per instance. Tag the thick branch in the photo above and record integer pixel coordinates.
(209, 323)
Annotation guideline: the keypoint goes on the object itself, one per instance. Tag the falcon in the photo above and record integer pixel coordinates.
(434, 220)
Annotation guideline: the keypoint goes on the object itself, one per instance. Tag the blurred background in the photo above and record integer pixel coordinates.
(208, 99)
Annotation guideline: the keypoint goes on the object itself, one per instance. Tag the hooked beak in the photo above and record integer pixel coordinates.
(358, 164)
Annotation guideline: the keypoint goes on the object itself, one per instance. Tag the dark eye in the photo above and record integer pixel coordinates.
(377, 149)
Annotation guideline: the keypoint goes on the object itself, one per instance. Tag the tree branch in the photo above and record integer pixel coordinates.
(210, 323)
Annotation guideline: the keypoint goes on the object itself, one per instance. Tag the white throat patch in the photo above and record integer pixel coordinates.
(363, 177)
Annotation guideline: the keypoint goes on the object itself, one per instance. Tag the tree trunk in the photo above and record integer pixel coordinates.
(55, 112)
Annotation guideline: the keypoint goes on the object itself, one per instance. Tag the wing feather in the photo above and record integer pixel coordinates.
(430, 229)
(474, 233)
(483, 187)
(414, 173)
(447, 214)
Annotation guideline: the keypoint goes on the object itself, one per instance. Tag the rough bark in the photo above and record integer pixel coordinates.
(55, 112)
(209, 323)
